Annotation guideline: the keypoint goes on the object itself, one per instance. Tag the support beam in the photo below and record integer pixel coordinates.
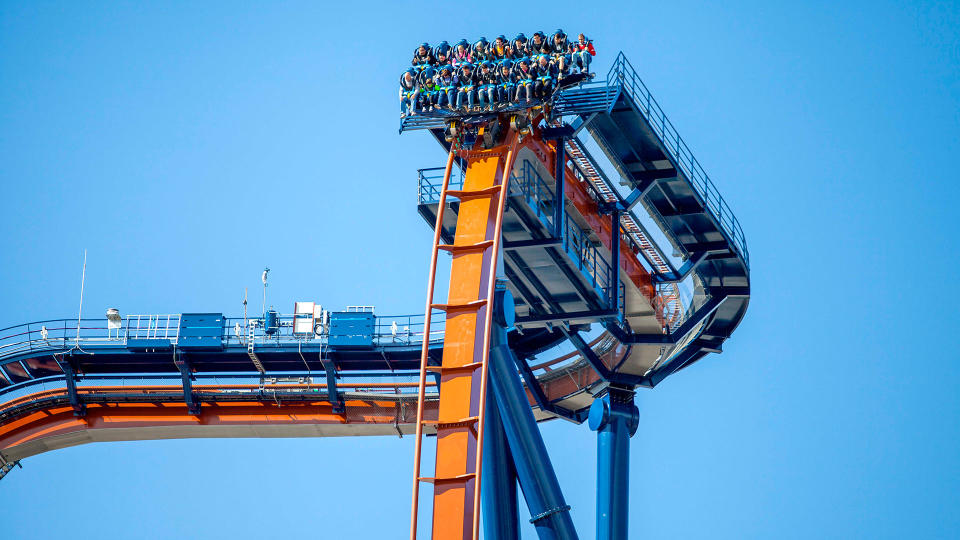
(193, 405)
(615, 419)
(551, 514)
(591, 357)
(596, 314)
(559, 171)
(580, 122)
(501, 520)
(615, 261)
(691, 264)
(6, 466)
(534, 243)
(654, 174)
(69, 367)
(637, 194)
(333, 395)
(710, 247)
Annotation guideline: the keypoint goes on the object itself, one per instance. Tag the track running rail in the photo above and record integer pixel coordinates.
(473, 279)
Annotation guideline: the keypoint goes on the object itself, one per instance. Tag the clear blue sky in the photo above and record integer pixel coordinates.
(188, 145)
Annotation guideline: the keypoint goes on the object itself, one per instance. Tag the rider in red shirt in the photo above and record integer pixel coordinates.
(583, 53)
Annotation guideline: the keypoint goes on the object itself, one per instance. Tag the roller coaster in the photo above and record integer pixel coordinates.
(568, 291)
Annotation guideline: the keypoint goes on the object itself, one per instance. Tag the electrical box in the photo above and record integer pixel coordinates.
(351, 329)
(303, 318)
(200, 331)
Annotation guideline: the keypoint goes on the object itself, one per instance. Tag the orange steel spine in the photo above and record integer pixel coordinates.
(488, 323)
(425, 349)
(460, 422)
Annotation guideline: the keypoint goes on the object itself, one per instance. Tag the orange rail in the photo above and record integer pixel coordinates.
(55, 425)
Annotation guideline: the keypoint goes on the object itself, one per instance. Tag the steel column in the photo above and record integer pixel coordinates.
(550, 512)
(186, 374)
(615, 419)
(69, 368)
(615, 260)
(559, 171)
(499, 489)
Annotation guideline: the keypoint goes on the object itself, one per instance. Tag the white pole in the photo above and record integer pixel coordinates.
(83, 279)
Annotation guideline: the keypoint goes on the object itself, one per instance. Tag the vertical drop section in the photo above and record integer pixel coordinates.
(459, 425)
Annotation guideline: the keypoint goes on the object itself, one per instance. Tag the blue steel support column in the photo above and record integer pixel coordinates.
(551, 514)
(68, 366)
(615, 259)
(560, 199)
(499, 490)
(615, 419)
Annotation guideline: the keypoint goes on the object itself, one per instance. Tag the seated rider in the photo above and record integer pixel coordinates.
(487, 85)
(442, 53)
(408, 92)
(423, 56)
(498, 50)
(560, 49)
(583, 53)
(519, 46)
(481, 50)
(462, 53)
(526, 79)
(506, 82)
(538, 44)
(547, 77)
(427, 95)
(447, 84)
(468, 86)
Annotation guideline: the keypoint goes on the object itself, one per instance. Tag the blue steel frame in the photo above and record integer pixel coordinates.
(516, 450)
(613, 415)
(540, 196)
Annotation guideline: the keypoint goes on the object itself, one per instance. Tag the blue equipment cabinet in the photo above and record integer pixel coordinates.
(351, 329)
(201, 331)
(271, 322)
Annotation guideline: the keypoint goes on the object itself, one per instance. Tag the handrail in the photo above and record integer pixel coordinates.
(623, 74)
(56, 335)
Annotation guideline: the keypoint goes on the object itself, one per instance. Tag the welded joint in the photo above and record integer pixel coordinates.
(615, 406)
(550, 512)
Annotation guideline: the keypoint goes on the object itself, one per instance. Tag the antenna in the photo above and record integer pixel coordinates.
(83, 279)
(263, 306)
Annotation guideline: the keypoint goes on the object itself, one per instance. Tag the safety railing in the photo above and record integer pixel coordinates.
(538, 193)
(62, 334)
(623, 74)
(388, 330)
(150, 327)
(430, 180)
(576, 242)
(58, 334)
